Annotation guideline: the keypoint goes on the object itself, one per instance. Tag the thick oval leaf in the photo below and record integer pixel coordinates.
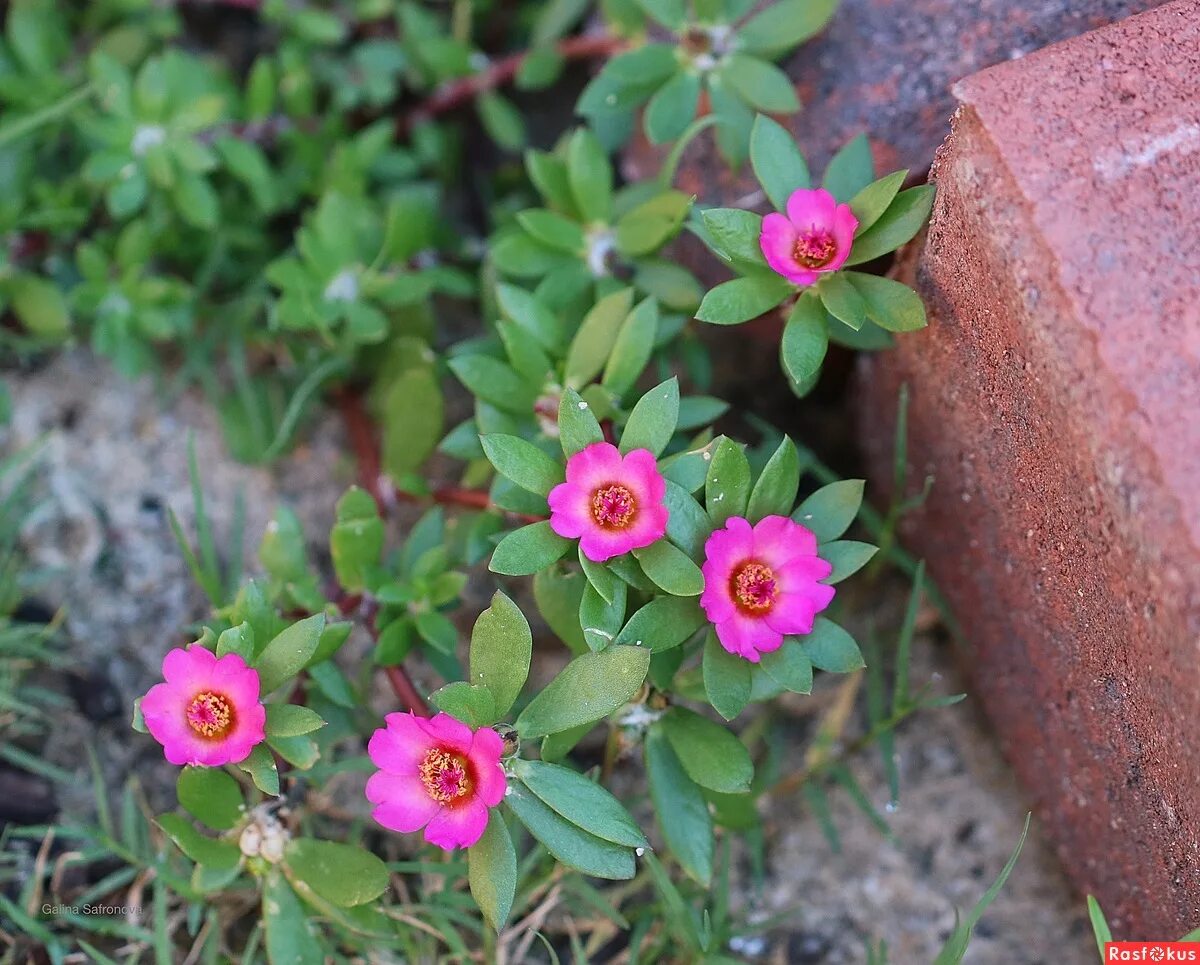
(831, 509)
(672, 107)
(727, 679)
(712, 756)
(557, 592)
(356, 540)
(601, 618)
(789, 667)
(774, 492)
(292, 720)
(761, 84)
(902, 220)
(842, 300)
(873, 200)
(590, 175)
(589, 687)
(777, 161)
(261, 767)
(633, 348)
(473, 704)
(652, 421)
(501, 649)
(578, 427)
(593, 343)
(663, 623)
(848, 556)
(891, 305)
(286, 655)
(582, 802)
(210, 795)
(805, 340)
(688, 525)
(735, 233)
(831, 648)
(850, 170)
(522, 462)
(527, 550)
(681, 809)
(202, 849)
(290, 939)
(492, 871)
(742, 299)
(569, 843)
(341, 873)
(670, 568)
(783, 25)
(727, 485)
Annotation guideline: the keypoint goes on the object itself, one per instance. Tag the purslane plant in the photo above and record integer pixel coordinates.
(318, 217)
(800, 255)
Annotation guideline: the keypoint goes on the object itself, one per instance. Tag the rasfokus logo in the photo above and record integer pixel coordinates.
(1151, 952)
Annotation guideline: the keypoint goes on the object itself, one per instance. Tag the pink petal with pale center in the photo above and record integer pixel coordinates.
(811, 210)
(401, 746)
(448, 732)
(633, 478)
(777, 540)
(490, 782)
(725, 549)
(198, 673)
(458, 827)
(748, 637)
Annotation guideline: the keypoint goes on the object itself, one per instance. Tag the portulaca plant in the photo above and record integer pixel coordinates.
(371, 764)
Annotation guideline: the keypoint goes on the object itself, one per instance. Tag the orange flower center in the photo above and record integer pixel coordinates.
(815, 249)
(613, 506)
(445, 776)
(753, 586)
(210, 715)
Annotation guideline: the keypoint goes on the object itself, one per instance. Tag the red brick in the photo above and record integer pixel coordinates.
(1056, 401)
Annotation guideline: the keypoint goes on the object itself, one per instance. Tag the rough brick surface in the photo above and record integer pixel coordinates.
(1056, 400)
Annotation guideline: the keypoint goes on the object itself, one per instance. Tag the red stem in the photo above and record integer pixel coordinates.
(402, 685)
(361, 430)
(456, 93)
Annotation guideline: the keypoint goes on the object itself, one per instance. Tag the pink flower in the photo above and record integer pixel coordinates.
(760, 584)
(815, 237)
(612, 503)
(437, 774)
(208, 711)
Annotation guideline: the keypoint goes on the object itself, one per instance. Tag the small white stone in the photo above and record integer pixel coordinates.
(343, 287)
(145, 137)
(639, 851)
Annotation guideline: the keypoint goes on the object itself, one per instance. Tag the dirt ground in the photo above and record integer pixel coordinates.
(115, 458)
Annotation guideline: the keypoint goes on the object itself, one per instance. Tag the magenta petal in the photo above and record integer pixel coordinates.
(177, 665)
(808, 209)
(594, 465)
(491, 783)
(401, 746)
(777, 539)
(777, 243)
(748, 637)
(448, 732)
(570, 512)
(406, 797)
(844, 226)
(458, 827)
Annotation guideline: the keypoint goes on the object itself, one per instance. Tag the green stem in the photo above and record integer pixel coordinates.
(60, 108)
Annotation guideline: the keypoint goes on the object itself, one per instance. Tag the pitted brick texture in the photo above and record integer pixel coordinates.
(1056, 400)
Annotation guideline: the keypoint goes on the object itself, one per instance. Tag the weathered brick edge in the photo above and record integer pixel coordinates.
(1062, 525)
